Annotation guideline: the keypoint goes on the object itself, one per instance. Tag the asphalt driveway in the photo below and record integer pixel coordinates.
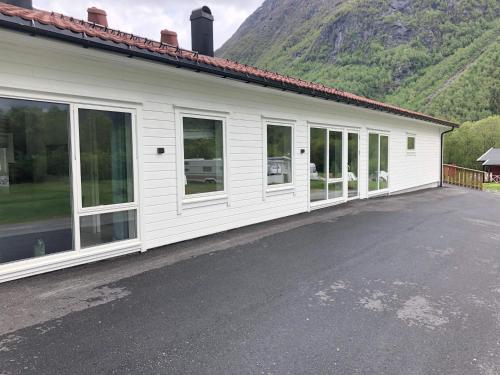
(402, 285)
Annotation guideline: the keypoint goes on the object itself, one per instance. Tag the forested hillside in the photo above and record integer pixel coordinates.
(441, 57)
(467, 143)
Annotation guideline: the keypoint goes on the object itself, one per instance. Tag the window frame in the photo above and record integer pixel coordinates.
(81, 255)
(57, 261)
(287, 185)
(81, 211)
(215, 197)
(358, 155)
(345, 130)
(379, 133)
(286, 188)
(414, 149)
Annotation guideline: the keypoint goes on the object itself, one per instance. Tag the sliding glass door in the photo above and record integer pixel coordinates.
(53, 200)
(333, 165)
(352, 165)
(318, 164)
(378, 162)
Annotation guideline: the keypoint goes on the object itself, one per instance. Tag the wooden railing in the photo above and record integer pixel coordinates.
(466, 177)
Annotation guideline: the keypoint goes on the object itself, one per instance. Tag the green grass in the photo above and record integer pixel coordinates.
(195, 187)
(21, 203)
(491, 186)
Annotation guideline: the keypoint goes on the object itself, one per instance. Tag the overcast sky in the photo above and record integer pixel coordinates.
(147, 17)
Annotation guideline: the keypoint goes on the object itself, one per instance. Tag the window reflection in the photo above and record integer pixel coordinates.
(106, 157)
(335, 153)
(317, 175)
(35, 187)
(352, 164)
(384, 162)
(203, 155)
(378, 170)
(410, 143)
(279, 155)
(106, 228)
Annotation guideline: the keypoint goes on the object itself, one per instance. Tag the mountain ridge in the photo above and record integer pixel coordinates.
(397, 51)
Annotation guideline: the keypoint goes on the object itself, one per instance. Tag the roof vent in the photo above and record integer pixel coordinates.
(20, 3)
(169, 37)
(97, 16)
(202, 31)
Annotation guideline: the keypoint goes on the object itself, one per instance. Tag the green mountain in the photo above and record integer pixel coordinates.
(437, 56)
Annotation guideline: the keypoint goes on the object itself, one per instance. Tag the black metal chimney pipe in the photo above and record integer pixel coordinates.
(202, 31)
(28, 4)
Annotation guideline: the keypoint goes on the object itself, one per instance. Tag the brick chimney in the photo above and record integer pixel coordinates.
(169, 37)
(97, 16)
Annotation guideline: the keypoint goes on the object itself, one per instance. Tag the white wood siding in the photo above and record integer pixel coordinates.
(37, 68)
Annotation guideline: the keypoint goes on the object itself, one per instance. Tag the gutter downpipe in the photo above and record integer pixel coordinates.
(442, 155)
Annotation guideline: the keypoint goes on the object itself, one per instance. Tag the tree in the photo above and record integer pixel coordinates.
(467, 143)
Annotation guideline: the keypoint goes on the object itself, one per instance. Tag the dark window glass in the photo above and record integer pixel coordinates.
(411, 143)
(108, 227)
(317, 165)
(35, 182)
(335, 154)
(106, 157)
(373, 159)
(279, 155)
(384, 162)
(352, 164)
(203, 155)
(378, 150)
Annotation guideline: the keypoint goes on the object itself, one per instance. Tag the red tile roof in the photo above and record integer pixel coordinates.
(65, 23)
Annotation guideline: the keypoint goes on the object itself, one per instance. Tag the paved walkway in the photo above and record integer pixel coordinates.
(401, 285)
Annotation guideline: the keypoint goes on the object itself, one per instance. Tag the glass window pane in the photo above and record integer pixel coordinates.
(106, 157)
(411, 143)
(352, 164)
(384, 162)
(317, 175)
(335, 154)
(335, 190)
(373, 162)
(109, 227)
(203, 155)
(35, 183)
(279, 154)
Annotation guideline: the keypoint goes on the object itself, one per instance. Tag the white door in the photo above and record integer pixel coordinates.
(333, 165)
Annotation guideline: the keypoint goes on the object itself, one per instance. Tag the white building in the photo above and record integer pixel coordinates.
(112, 144)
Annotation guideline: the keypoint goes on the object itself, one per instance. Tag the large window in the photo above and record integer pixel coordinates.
(203, 155)
(106, 158)
(35, 180)
(378, 163)
(279, 154)
(107, 177)
(46, 207)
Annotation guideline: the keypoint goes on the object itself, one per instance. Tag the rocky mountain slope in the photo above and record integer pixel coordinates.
(437, 56)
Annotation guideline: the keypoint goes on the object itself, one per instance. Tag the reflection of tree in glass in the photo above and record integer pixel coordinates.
(40, 142)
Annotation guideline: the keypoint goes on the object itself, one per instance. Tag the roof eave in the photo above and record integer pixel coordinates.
(36, 28)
